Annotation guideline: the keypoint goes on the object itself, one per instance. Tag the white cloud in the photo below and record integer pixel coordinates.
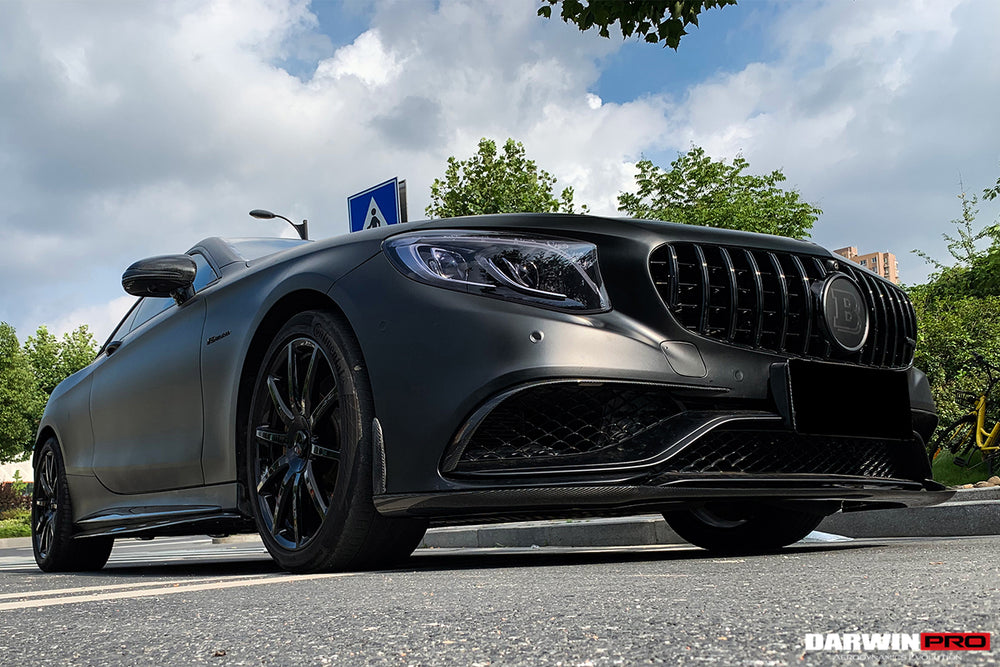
(366, 58)
(133, 129)
(873, 110)
(138, 129)
(101, 318)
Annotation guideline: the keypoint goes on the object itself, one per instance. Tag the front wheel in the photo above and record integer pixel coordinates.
(52, 520)
(742, 527)
(309, 453)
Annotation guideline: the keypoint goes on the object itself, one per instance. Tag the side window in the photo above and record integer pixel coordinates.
(126, 324)
(149, 308)
(205, 275)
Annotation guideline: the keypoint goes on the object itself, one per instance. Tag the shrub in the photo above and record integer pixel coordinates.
(13, 497)
(15, 523)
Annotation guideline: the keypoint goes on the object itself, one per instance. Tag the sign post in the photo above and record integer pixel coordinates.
(378, 206)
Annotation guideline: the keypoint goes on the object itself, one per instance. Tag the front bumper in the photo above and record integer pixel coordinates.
(441, 363)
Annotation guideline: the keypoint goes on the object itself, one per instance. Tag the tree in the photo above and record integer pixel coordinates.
(21, 401)
(955, 308)
(27, 377)
(489, 182)
(949, 331)
(53, 361)
(78, 349)
(975, 270)
(42, 351)
(653, 20)
(701, 191)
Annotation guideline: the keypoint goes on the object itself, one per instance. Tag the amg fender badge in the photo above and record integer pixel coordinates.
(215, 339)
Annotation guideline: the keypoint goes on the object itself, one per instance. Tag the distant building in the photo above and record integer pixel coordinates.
(882, 263)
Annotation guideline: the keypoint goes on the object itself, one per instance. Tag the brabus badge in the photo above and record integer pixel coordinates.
(843, 312)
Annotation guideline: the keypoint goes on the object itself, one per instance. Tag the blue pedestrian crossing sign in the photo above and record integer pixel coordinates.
(378, 206)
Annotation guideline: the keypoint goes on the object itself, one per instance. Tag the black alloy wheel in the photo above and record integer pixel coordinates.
(297, 443)
(309, 453)
(52, 540)
(45, 504)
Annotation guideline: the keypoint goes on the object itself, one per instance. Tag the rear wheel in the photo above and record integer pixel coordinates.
(309, 453)
(52, 520)
(742, 527)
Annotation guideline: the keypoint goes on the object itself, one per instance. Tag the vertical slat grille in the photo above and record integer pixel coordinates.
(762, 300)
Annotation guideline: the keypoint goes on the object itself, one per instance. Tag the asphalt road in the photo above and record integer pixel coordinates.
(184, 601)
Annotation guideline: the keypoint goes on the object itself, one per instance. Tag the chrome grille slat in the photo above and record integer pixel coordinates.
(782, 300)
(762, 299)
(807, 304)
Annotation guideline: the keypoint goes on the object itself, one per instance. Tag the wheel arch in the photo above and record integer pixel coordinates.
(283, 309)
(47, 431)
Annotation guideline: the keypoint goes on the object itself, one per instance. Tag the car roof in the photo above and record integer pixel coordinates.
(228, 251)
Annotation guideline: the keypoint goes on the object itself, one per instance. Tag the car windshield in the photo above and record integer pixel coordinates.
(251, 249)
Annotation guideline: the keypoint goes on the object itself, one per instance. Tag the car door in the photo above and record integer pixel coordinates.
(146, 400)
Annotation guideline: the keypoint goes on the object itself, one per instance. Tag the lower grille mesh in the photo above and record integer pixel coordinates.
(782, 452)
(568, 424)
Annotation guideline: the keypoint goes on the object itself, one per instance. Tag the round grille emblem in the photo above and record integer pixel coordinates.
(843, 312)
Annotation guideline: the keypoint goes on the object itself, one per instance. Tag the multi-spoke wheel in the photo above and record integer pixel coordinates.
(742, 527)
(309, 453)
(52, 520)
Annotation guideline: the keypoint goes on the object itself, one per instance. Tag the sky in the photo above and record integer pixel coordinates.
(131, 129)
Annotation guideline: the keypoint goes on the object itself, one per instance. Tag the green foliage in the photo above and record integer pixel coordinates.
(698, 190)
(15, 523)
(957, 311)
(18, 484)
(27, 377)
(492, 182)
(13, 496)
(53, 360)
(949, 332)
(976, 270)
(653, 20)
(944, 471)
(42, 351)
(21, 400)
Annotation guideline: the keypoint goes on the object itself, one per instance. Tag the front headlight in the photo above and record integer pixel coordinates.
(548, 272)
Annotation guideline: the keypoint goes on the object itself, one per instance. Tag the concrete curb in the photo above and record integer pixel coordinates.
(15, 542)
(970, 512)
(634, 530)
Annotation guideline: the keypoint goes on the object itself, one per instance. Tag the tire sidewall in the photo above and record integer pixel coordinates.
(355, 414)
(64, 513)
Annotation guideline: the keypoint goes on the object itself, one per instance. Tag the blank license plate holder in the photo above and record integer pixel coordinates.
(852, 401)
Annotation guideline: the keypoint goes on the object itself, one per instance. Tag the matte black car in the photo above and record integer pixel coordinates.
(340, 396)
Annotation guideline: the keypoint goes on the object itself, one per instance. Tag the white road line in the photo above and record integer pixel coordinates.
(112, 587)
(145, 544)
(173, 590)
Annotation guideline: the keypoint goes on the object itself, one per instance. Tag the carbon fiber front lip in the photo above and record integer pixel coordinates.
(557, 501)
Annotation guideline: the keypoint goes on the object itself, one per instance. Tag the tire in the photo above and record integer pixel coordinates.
(742, 528)
(308, 454)
(55, 548)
